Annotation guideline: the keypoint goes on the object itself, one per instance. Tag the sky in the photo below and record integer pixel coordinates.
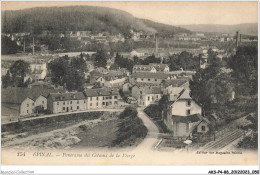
(173, 13)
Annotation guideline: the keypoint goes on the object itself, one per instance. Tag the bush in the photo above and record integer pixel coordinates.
(130, 128)
(249, 142)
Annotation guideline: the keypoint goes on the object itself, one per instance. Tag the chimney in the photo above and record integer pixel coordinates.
(33, 46)
(156, 42)
(24, 44)
(237, 39)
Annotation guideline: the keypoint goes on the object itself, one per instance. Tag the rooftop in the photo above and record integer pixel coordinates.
(101, 92)
(67, 96)
(158, 75)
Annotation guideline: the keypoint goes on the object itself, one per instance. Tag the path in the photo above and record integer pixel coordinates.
(152, 138)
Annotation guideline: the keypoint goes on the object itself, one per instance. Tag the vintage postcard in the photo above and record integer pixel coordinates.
(129, 83)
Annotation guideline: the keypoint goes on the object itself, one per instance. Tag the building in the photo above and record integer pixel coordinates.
(145, 77)
(146, 95)
(152, 68)
(144, 68)
(183, 114)
(17, 101)
(136, 53)
(102, 98)
(111, 81)
(66, 102)
(160, 67)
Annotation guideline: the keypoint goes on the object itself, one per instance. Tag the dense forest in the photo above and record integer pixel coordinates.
(79, 18)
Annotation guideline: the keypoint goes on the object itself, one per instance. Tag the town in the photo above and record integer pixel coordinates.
(198, 89)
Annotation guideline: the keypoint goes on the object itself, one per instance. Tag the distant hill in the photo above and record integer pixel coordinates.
(80, 18)
(246, 28)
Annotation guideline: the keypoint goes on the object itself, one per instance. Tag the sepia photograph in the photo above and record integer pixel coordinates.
(129, 83)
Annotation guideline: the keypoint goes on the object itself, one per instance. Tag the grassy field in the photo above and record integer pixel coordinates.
(100, 135)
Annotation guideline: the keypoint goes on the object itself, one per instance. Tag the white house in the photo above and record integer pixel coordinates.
(27, 107)
(41, 101)
(66, 102)
(160, 67)
(146, 95)
(183, 115)
(102, 98)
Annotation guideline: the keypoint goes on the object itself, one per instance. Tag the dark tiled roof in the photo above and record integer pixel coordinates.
(187, 119)
(67, 96)
(19, 94)
(175, 82)
(101, 92)
(158, 75)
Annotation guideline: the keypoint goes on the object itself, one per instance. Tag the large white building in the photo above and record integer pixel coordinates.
(66, 102)
(184, 115)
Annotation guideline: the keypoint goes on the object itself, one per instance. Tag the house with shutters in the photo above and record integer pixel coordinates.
(145, 77)
(102, 98)
(66, 102)
(184, 115)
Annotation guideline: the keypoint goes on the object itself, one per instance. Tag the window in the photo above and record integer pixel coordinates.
(57, 103)
(203, 128)
(97, 104)
(27, 105)
(103, 98)
(84, 101)
(156, 96)
(148, 79)
(27, 111)
(42, 102)
(70, 102)
(77, 102)
(71, 108)
(32, 104)
(135, 78)
(142, 79)
(64, 103)
(115, 97)
(188, 103)
(155, 79)
(188, 112)
(148, 98)
(63, 108)
(97, 98)
(90, 104)
(77, 107)
(115, 102)
(90, 98)
(110, 97)
(104, 103)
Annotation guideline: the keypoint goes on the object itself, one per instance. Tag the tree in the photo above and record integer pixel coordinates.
(69, 75)
(211, 87)
(245, 67)
(18, 70)
(100, 59)
(79, 63)
(6, 80)
(8, 46)
(151, 59)
(163, 105)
